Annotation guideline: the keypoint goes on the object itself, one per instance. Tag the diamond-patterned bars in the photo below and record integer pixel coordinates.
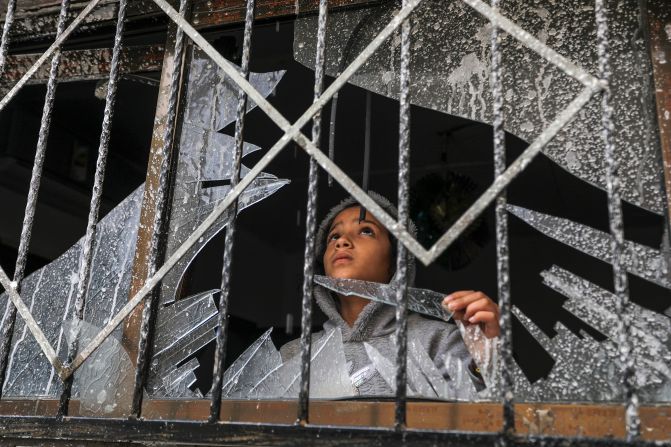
(292, 132)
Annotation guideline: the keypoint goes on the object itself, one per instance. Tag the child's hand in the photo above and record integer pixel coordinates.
(473, 307)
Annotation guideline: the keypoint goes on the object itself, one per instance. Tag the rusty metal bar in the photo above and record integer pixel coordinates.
(222, 317)
(161, 196)
(82, 65)
(94, 209)
(52, 50)
(311, 225)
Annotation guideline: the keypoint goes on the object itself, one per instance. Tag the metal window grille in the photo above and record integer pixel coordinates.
(210, 430)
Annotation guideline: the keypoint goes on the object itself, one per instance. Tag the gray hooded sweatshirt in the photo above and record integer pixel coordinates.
(376, 324)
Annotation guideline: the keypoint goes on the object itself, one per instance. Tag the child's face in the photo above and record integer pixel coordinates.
(357, 250)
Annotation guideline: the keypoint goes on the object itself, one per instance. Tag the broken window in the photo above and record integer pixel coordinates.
(143, 307)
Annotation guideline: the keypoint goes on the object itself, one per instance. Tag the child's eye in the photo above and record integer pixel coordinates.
(367, 231)
(333, 237)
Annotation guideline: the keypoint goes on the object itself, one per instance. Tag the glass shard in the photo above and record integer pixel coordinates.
(485, 352)
(638, 259)
(177, 382)
(328, 373)
(461, 385)
(385, 368)
(104, 383)
(205, 163)
(450, 69)
(253, 365)
(49, 294)
(582, 371)
(650, 331)
(421, 359)
(422, 301)
(181, 329)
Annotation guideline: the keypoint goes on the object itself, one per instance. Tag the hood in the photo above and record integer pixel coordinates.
(325, 224)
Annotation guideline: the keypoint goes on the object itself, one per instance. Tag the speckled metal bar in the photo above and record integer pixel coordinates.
(632, 420)
(220, 352)
(401, 331)
(94, 208)
(503, 271)
(311, 225)
(6, 29)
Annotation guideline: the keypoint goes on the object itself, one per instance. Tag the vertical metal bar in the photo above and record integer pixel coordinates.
(311, 224)
(401, 332)
(33, 190)
(632, 420)
(6, 29)
(503, 272)
(94, 209)
(332, 131)
(148, 320)
(220, 352)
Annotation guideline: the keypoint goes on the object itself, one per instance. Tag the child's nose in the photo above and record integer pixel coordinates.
(343, 241)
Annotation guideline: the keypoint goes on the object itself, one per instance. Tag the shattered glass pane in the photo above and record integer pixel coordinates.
(104, 383)
(450, 73)
(582, 369)
(328, 374)
(50, 294)
(177, 382)
(204, 169)
(638, 259)
(650, 331)
(253, 365)
(205, 163)
(183, 328)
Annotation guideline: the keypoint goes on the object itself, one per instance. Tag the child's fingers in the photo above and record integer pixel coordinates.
(489, 322)
(455, 295)
(479, 305)
(483, 316)
(462, 300)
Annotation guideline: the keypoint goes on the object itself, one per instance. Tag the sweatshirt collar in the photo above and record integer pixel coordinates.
(375, 320)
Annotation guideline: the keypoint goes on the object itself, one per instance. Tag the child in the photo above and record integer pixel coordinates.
(348, 247)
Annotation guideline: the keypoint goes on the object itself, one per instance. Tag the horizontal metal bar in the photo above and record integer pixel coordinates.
(78, 65)
(203, 433)
(54, 46)
(534, 44)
